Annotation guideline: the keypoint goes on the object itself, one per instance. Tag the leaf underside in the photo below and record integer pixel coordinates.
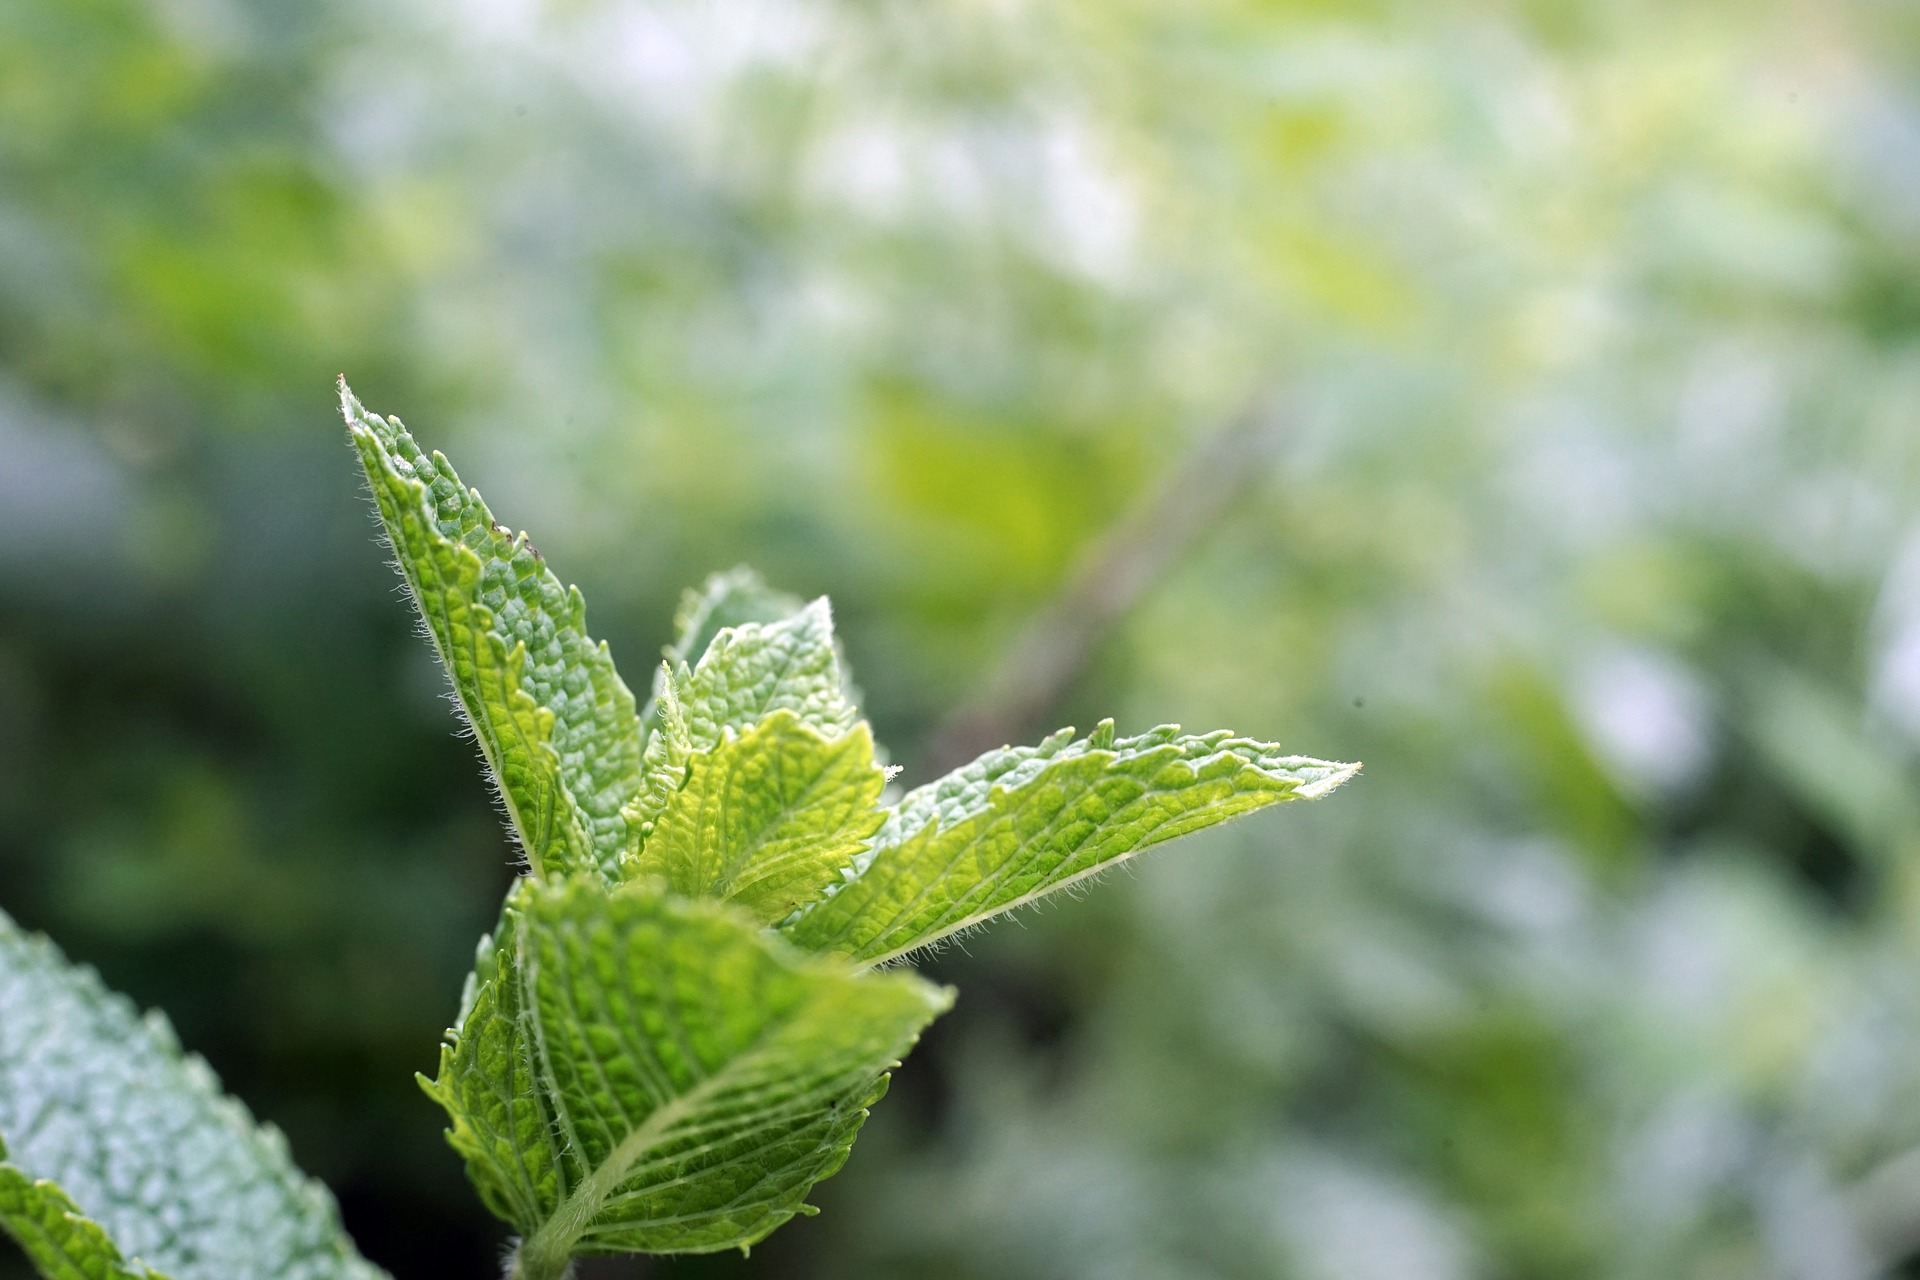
(120, 1158)
(644, 1072)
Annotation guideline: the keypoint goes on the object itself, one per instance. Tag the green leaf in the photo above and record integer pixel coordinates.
(745, 674)
(748, 672)
(1023, 822)
(556, 724)
(62, 1242)
(769, 818)
(728, 599)
(121, 1159)
(640, 1072)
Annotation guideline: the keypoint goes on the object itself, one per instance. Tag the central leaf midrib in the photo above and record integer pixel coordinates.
(739, 869)
(551, 1246)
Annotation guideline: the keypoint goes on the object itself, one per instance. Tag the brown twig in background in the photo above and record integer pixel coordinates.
(1110, 578)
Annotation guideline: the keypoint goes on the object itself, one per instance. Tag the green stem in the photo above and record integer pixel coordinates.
(538, 1264)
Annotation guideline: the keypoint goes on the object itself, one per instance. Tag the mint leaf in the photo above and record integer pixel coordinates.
(639, 1064)
(768, 818)
(639, 1072)
(724, 600)
(62, 1242)
(748, 672)
(1023, 822)
(745, 674)
(119, 1156)
(554, 721)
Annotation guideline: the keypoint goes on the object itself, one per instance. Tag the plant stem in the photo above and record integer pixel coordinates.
(537, 1264)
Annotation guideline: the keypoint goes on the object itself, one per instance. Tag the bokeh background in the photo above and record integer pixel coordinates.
(1523, 397)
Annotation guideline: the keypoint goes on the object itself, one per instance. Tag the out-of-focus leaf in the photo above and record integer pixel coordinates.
(120, 1159)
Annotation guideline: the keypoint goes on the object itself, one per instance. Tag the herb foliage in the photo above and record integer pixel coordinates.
(692, 997)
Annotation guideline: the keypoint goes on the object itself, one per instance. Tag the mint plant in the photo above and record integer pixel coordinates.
(694, 993)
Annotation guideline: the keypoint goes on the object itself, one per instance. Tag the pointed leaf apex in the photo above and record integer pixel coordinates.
(1336, 776)
(1023, 822)
(556, 724)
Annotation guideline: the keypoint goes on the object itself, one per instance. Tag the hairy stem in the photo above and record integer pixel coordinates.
(536, 1264)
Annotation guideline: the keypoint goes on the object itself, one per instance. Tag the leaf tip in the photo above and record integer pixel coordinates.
(350, 407)
(1337, 775)
(939, 998)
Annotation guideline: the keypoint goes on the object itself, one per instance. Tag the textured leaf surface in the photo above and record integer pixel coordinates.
(748, 672)
(557, 725)
(769, 818)
(121, 1156)
(642, 1072)
(745, 674)
(1022, 822)
(729, 599)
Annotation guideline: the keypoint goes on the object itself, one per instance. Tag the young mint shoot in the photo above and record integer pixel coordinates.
(695, 992)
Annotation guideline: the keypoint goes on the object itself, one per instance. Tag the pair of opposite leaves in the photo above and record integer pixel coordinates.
(676, 1029)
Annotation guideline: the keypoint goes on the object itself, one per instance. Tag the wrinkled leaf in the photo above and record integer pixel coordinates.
(748, 672)
(640, 1072)
(768, 818)
(119, 1156)
(745, 674)
(1023, 822)
(555, 722)
(729, 599)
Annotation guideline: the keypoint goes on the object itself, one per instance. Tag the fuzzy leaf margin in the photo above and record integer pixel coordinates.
(556, 724)
(1023, 822)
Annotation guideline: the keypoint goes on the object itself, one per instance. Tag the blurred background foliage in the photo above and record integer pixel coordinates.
(1575, 351)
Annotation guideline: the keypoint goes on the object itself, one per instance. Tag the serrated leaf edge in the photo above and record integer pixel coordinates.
(230, 1111)
(1100, 741)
